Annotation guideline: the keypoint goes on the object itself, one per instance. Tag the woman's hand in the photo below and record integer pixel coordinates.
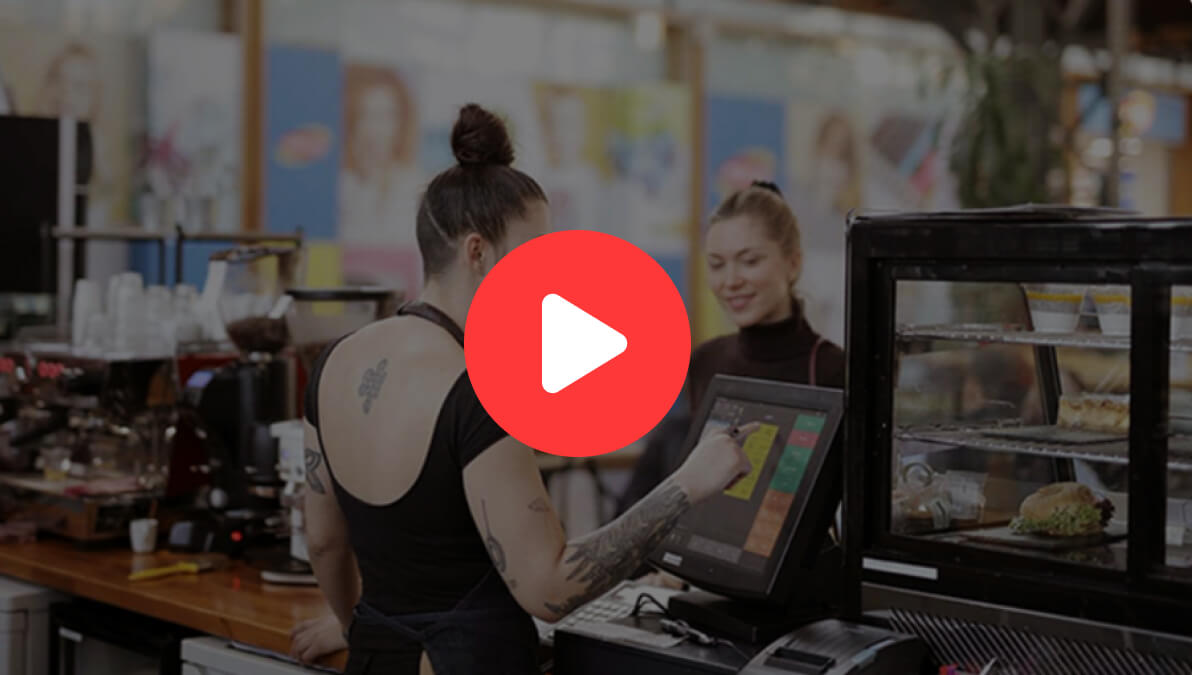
(313, 639)
(716, 462)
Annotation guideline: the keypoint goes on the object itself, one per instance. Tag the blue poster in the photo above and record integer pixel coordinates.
(303, 122)
(143, 257)
(744, 140)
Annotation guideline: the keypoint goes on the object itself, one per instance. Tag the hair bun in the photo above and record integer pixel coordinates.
(479, 138)
(766, 185)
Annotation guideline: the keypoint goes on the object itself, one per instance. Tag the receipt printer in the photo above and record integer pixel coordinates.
(832, 647)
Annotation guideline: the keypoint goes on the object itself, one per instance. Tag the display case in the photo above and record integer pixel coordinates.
(1019, 458)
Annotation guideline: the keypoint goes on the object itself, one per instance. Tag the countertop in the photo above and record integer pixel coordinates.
(230, 601)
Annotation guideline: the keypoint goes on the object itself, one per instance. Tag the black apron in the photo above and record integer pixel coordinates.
(486, 633)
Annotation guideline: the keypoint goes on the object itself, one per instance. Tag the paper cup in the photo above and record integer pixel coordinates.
(1055, 308)
(1113, 309)
(142, 533)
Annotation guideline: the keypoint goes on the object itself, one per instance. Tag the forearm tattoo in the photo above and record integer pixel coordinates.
(313, 460)
(370, 384)
(608, 555)
(540, 506)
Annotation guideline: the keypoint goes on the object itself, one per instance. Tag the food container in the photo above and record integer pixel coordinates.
(1113, 309)
(1181, 312)
(1055, 308)
(250, 291)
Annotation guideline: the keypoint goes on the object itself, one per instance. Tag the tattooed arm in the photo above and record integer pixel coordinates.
(327, 535)
(550, 576)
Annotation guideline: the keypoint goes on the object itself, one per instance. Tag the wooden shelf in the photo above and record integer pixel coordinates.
(133, 233)
(241, 237)
(110, 234)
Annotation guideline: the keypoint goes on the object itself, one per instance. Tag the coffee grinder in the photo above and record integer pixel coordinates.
(237, 402)
(316, 317)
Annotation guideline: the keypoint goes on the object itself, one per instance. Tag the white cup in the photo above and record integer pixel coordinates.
(1055, 308)
(142, 532)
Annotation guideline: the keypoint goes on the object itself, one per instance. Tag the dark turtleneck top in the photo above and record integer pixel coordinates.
(776, 351)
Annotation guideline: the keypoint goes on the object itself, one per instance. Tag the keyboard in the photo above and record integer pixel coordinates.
(616, 604)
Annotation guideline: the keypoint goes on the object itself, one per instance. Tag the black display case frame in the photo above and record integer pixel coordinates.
(1020, 245)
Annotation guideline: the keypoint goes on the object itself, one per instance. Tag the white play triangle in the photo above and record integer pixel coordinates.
(574, 343)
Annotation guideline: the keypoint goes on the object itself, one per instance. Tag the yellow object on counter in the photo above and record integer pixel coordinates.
(188, 567)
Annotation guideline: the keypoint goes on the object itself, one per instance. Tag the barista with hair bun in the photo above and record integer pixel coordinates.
(429, 529)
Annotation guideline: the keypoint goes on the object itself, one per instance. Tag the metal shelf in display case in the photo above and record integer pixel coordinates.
(1019, 336)
(1179, 448)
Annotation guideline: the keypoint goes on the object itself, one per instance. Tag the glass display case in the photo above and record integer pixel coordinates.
(1019, 423)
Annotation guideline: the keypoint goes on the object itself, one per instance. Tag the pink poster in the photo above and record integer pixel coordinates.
(395, 267)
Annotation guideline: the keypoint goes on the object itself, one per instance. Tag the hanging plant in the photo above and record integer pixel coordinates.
(1008, 149)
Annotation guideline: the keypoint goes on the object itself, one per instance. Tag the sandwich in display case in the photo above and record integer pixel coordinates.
(1019, 436)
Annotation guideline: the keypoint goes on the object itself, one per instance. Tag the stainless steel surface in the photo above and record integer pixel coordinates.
(1117, 452)
(972, 633)
(993, 334)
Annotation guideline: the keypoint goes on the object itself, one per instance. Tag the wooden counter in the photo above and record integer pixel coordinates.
(230, 601)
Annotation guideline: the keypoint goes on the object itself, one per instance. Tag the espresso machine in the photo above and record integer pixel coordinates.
(99, 429)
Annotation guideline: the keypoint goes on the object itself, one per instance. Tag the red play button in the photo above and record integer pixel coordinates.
(577, 343)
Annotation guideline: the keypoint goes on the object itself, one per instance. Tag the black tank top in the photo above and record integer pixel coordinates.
(421, 553)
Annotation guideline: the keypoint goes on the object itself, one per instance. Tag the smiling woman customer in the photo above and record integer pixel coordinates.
(754, 259)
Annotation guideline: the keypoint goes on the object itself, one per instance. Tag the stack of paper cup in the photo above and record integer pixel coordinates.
(187, 326)
(86, 303)
(99, 333)
(129, 321)
(159, 314)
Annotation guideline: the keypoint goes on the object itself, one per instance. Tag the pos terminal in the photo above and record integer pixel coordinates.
(760, 553)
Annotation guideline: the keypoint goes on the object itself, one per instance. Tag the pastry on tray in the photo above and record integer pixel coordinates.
(1095, 412)
(1063, 510)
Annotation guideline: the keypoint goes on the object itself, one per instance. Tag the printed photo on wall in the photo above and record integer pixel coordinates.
(826, 159)
(649, 150)
(826, 156)
(380, 180)
(95, 80)
(303, 141)
(570, 121)
(908, 159)
(195, 128)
